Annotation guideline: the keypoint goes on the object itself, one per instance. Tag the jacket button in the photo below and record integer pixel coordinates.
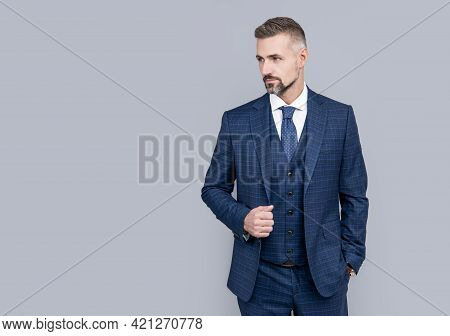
(290, 250)
(290, 212)
(289, 173)
(290, 232)
(290, 193)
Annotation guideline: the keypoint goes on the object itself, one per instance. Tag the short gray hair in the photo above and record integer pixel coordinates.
(283, 24)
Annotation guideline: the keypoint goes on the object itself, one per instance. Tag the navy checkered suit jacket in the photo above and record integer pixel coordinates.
(335, 173)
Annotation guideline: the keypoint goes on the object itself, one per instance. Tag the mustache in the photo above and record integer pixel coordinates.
(267, 78)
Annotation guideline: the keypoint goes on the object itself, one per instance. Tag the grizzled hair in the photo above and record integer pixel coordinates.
(279, 25)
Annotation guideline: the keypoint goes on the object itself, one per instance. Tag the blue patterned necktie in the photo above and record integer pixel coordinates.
(288, 131)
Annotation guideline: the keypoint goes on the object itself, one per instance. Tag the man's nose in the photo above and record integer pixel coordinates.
(266, 69)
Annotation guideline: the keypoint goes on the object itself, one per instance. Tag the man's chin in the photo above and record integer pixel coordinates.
(272, 90)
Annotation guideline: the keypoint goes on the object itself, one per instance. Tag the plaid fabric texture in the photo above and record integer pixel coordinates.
(335, 174)
(283, 291)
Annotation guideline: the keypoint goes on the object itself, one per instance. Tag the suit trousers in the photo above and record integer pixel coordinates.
(283, 290)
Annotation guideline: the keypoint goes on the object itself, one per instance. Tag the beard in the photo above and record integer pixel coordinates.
(278, 88)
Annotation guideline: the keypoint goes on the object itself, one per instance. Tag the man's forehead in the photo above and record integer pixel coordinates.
(278, 44)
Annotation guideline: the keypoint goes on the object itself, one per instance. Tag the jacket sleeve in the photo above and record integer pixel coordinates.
(352, 196)
(219, 184)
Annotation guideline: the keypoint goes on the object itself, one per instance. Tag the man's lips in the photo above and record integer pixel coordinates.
(271, 80)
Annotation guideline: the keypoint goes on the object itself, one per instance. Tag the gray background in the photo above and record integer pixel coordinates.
(69, 148)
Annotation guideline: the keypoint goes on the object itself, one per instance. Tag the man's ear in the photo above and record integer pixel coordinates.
(302, 57)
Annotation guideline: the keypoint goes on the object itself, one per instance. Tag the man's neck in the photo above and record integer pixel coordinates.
(294, 92)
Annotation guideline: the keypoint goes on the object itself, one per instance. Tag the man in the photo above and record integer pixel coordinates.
(295, 156)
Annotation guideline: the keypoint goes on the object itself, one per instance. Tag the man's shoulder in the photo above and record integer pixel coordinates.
(246, 107)
(329, 102)
(337, 110)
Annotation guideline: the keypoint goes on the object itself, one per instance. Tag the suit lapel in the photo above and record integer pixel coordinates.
(316, 122)
(260, 128)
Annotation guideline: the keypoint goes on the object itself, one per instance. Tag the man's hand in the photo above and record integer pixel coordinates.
(259, 221)
(349, 269)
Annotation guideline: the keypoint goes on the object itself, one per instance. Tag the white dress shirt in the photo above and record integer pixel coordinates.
(299, 116)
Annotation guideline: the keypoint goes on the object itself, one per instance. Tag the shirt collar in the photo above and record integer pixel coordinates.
(299, 103)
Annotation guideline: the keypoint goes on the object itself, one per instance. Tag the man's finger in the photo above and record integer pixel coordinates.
(265, 207)
(264, 229)
(264, 215)
(264, 222)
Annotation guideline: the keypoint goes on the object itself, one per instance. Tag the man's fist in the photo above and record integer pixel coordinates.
(259, 221)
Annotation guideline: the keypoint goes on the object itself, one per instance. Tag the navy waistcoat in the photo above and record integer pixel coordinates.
(287, 240)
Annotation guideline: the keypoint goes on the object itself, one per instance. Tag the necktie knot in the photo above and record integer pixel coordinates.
(288, 111)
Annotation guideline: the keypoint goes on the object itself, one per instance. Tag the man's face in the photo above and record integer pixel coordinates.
(279, 65)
